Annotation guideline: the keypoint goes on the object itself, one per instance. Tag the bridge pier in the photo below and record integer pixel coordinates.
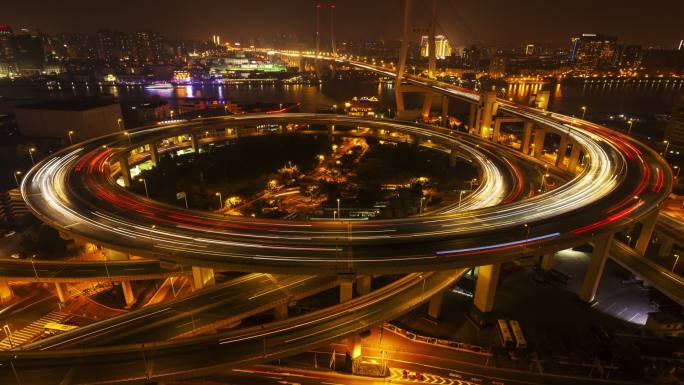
(202, 277)
(485, 287)
(562, 150)
(427, 106)
(546, 261)
(597, 263)
(539, 136)
(574, 157)
(435, 305)
(527, 136)
(472, 118)
(62, 292)
(346, 288)
(194, 142)
(488, 110)
(125, 171)
(363, 284)
(154, 154)
(445, 111)
(453, 157)
(647, 227)
(6, 292)
(280, 312)
(128, 293)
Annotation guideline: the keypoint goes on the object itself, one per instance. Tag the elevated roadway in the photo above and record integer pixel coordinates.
(623, 182)
(214, 307)
(198, 355)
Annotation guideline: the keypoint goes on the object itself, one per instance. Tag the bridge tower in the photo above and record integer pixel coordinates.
(400, 88)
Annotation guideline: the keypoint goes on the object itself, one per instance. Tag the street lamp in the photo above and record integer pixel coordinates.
(16, 177)
(334, 215)
(584, 111)
(667, 145)
(70, 133)
(630, 122)
(144, 182)
(459, 198)
(678, 170)
(338, 208)
(31, 151)
(422, 199)
(118, 123)
(220, 197)
(128, 135)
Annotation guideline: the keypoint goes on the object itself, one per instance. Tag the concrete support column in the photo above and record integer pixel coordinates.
(647, 227)
(445, 111)
(497, 131)
(280, 312)
(472, 115)
(125, 171)
(363, 284)
(546, 261)
(346, 289)
(435, 305)
(331, 131)
(202, 277)
(128, 293)
(539, 135)
(154, 154)
(62, 292)
(592, 277)
(527, 137)
(194, 141)
(485, 288)
(427, 105)
(666, 245)
(6, 292)
(453, 157)
(562, 149)
(574, 157)
(488, 108)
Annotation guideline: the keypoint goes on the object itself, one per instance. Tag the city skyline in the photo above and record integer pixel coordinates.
(468, 22)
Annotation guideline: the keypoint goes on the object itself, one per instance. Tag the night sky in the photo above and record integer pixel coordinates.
(503, 22)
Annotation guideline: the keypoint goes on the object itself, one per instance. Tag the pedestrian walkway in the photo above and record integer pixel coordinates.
(32, 331)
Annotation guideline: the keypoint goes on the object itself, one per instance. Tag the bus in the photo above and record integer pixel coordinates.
(520, 342)
(54, 328)
(505, 334)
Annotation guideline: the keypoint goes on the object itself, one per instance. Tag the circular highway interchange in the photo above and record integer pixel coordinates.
(76, 191)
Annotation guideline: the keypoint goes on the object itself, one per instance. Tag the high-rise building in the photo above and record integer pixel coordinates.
(7, 45)
(29, 51)
(529, 49)
(593, 51)
(442, 50)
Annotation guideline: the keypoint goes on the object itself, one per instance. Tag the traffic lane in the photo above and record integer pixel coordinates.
(41, 270)
(661, 278)
(192, 357)
(229, 302)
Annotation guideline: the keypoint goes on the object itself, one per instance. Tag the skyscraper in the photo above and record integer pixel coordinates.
(7, 44)
(593, 51)
(443, 48)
